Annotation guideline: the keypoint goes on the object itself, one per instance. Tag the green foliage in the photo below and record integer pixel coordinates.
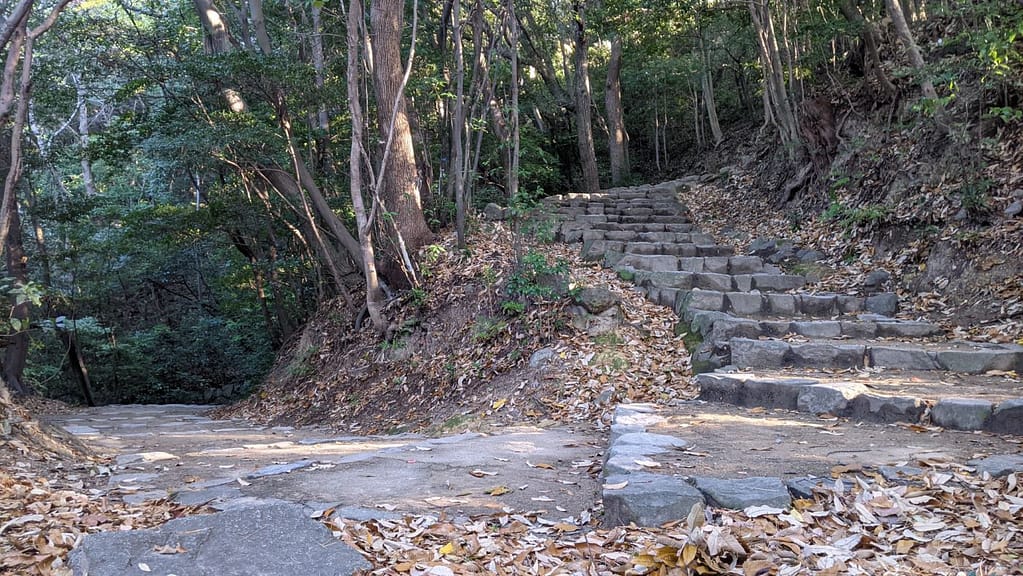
(850, 217)
(512, 307)
(486, 329)
(974, 195)
(537, 278)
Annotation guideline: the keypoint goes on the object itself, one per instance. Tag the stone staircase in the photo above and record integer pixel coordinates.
(761, 337)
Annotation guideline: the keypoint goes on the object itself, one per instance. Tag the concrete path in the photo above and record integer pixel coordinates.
(278, 472)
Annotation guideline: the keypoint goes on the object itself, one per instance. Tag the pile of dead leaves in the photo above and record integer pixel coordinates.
(944, 521)
(460, 348)
(47, 507)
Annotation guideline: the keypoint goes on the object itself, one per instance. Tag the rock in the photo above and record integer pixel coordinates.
(737, 494)
(899, 473)
(759, 353)
(539, 358)
(763, 246)
(266, 540)
(886, 304)
(876, 279)
(1014, 209)
(830, 398)
(1007, 417)
(494, 212)
(809, 255)
(647, 499)
(999, 465)
(654, 442)
(597, 300)
(961, 413)
(803, 487)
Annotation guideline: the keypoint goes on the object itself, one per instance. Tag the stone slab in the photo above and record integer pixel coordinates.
(741, 493)
(266, 540)
(647, 499)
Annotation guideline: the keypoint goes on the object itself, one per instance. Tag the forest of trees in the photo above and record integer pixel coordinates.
(186, 181)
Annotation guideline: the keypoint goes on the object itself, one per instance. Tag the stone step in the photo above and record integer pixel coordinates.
(647, 241)
(721, 326)
(662, 460)
(630, 263)
(613, 251)
(950, 400)
(966, 357)
(767, 299)
(645, 227)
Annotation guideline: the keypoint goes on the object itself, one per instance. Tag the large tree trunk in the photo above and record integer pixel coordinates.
(583, 100)
(897, 15)
(400, 190)
(619, 137)
(513, 45)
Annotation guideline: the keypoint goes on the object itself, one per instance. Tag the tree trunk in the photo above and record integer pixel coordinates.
(358, 156)
(618, 137)
(458, 124)
(870, 37)
(774, 76)
(83, 136)
(513, 42)
(16, 348)
(583, 115)
(912, 50)
(400, 185)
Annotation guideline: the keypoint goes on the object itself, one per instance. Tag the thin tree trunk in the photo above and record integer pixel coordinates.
(871, 39)
(77, 363)
(774, 78)
(513, 42)
(363, 218)
(916, 59)
(619, 137)
(458, 124)
(583, 115)
(16, 348)
(83, 136)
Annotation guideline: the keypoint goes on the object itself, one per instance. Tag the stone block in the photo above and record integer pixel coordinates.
(783, 393)
(691, 264)
(742, 282)
(748, 353)
(908, 329)
(651, 263)
(902, 358)
(745, 265)
(623, 235)
(1007, 417)
(818, 329)
(744, 303)
(961, 413)
(981, 359)
(650, 443)
(776, 328)
(817, 305)
(642, 248)
(715, 264)
(713, 281)
(848, 304)
(829, 398)
(886, 304)
(702, 322)
(727, 328)
(720, 388)
(647, 499)
(704, 300)
(777, 282)
(877, 408)
(856, 329)
(781, 304)
(741, 493)
(818, 355)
